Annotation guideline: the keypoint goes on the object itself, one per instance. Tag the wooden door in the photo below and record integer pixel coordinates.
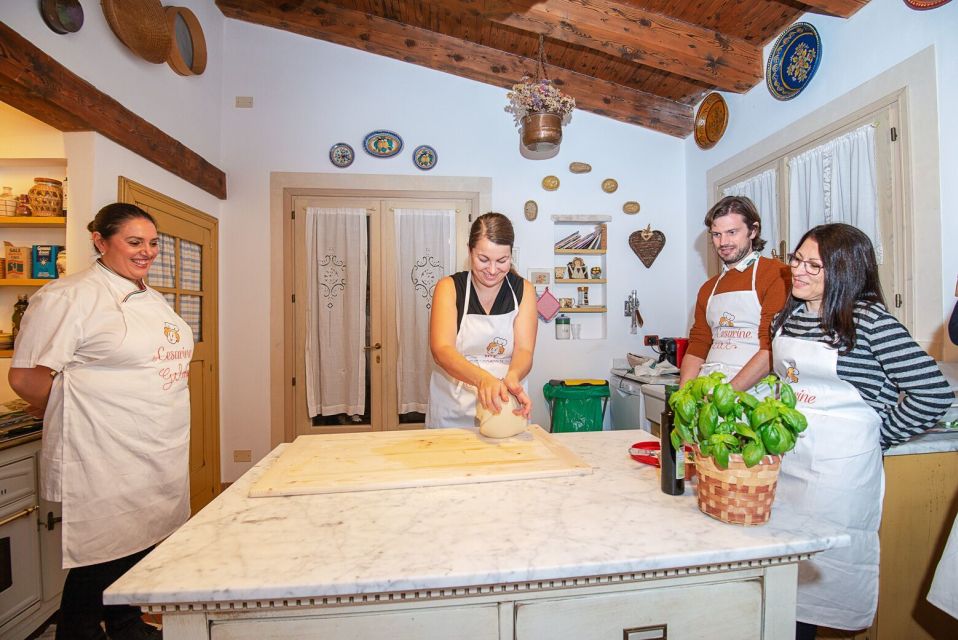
(185, 273)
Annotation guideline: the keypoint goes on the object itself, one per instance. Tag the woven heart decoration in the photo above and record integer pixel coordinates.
(647, 244)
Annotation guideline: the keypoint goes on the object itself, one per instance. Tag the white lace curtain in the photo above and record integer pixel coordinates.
(336, 259)
(762, 190)
(836, 182)
(425, 241)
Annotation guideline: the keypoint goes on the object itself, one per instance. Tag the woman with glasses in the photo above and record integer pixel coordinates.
(864, 385)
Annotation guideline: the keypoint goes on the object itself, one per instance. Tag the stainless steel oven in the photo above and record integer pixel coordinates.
(19, 544)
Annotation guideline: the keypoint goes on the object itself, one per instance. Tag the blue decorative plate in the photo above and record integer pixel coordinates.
(341, 155)
(793, 61)
(382, 144)
(425, 157)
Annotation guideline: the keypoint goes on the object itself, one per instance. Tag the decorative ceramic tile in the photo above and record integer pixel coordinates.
(341, 155)
(382, 144)
(425, 157)
(793, 61)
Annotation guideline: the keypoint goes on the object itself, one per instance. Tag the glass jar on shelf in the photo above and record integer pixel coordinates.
(8, 202)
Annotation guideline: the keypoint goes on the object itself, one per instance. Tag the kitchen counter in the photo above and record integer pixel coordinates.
(502, 544)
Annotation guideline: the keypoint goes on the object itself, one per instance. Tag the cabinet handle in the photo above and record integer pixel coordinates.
(654, 632)
(18, 515)
(373, 347)
(52, 521)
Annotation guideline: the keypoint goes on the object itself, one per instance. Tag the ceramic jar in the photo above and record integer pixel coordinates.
(46, 197)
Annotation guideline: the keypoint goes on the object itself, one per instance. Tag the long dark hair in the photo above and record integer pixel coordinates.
(851, 276)
(745, 208)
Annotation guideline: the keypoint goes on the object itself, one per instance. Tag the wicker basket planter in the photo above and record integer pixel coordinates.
(737, 495)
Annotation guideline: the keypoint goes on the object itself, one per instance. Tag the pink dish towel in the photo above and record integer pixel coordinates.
(547, 305)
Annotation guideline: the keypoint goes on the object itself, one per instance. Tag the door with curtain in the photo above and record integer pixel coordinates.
(363, 271)
(185, 272)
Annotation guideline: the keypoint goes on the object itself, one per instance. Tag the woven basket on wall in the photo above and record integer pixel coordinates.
(739, 494)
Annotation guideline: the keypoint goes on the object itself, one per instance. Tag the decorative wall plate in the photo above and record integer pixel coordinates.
(793, 61)
(921, 5)
(580, 167)
(531, 209)
(609, 185)
(647, 244)
(382, 144)
(140, 25)
(341, 155)
(188, 53)
(631, 207)
(710, 121)
(550, 183)
(424, 157)
(62, 16)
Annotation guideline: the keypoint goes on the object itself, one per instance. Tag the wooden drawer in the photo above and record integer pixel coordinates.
(458, 623)
(718, 611)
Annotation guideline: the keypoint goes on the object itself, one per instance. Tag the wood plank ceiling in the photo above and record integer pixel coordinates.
(644, 62)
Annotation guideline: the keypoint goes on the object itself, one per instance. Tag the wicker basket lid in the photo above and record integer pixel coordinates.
(142, 26)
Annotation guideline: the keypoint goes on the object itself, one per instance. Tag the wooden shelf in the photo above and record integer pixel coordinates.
(581, 281)
(580, 218)
(24, 282)
(33, 221)
(6, 353)
(580, 252)
(581, 310)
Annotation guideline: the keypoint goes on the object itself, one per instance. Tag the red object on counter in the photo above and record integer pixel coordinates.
(681, 344)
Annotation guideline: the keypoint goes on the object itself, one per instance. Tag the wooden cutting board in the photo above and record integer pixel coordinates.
(394, 459)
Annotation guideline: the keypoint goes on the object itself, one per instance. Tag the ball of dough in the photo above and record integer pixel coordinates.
(505, 424)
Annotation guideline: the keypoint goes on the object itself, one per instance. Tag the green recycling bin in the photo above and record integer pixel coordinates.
(576, 407)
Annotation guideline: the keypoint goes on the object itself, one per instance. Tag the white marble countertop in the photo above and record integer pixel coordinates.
(613, 521)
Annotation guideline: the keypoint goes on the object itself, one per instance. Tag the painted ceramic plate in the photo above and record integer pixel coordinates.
(609, 185)
(425, 157)
(710, 121)
(531, 210)
(382, 144)
(341, 155)
(921, 5)
(631, 207)
(793, 61)
(550, 183)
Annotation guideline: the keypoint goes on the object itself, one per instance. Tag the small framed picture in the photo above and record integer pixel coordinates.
(540, 277)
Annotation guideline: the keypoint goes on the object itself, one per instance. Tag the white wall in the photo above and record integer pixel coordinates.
(881, 35)
(309, 95)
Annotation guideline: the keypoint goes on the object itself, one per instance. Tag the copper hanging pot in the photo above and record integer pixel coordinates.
(541, 131)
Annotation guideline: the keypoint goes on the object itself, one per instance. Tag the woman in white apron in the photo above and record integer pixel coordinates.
(485, 356)
(834, 475)
(107, 361)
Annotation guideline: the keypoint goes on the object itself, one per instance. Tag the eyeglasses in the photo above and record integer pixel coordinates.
(811, 268)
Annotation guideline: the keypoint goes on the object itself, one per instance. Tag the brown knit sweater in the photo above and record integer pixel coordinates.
(772, 284)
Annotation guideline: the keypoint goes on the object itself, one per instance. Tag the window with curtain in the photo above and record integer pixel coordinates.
(762, 189)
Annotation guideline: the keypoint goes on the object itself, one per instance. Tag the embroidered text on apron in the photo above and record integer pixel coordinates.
(485, 341)
(734, 317)
(125, 440)
(833, 475)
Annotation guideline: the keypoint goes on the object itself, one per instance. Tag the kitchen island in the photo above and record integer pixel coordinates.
(604, 555)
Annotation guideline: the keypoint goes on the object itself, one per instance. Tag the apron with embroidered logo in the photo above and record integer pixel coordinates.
(834, 475)
(734, 317)
(485, 341)
(124, 447)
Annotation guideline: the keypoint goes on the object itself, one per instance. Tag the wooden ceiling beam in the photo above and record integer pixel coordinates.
(630, 33)
(38, 85)
(333, 23)
(837, 8)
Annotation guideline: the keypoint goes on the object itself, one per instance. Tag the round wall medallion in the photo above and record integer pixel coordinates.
(711, 119)
(188, 53)
(341, 155)
(382, 144)
(580, 167)
(793, 61)
(609, 185)
(631, 207)
(425, 157)
(550, 183)
(921, 5)
(531, 209)
(63, 16)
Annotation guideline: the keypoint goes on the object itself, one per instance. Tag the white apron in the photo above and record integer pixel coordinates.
(944, 587)
(834, 475)
(734, 317)
(485, 341)
(124, 447)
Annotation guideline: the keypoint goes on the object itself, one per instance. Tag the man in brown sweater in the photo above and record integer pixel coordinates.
(734, 310)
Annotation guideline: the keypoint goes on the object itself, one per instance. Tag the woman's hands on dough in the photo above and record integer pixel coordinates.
(512, 384)
(491, 392)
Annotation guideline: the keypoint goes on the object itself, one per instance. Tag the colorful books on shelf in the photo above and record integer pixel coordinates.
(575, 240)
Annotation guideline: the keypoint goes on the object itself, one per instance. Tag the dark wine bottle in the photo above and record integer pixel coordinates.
(671, 460)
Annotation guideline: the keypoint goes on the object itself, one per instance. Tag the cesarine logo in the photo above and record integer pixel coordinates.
(497, 347)
(172, 332)
(727, 320)
(791, 374)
